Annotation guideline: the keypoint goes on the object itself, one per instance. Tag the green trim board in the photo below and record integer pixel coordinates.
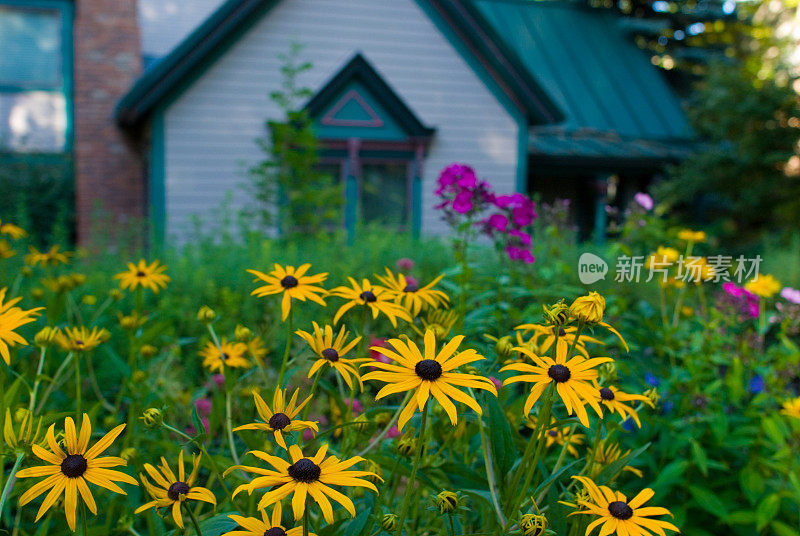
(156, 178)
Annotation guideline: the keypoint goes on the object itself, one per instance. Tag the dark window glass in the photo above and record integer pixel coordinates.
(384, 194)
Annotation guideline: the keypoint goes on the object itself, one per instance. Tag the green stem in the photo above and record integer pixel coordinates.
(37, 382)
(193, 518)
(78, 395)
(490, 477)
(412, 480)
(593, 450)
(287, 350)
(305, 520)
(55, 382)
(452, 525)
(229, 426)
(84, 519)
(543, 424)
(307, 409)
(10, 482)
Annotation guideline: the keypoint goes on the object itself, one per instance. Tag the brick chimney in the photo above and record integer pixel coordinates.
(109, 172)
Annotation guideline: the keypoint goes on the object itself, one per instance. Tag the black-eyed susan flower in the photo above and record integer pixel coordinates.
(150, 276)
(615, 400)
(23, 435)
(292, 283)
(266, 526)
(12, 230)
(428, 373)
(5, 250)
(280, 418)
(228, 354)
(560, 436)
(617, 515)
(81, 339)
(169, 491)
(533, 524)
(411, 295)
(70, 471)
(607, 452)
(791, 408)
(12, 318)
(589, 310)
(378, 299)
(692, 236)
(572, 377)
(51, 257)
(306, 477)
(331, 352)
(440, 321)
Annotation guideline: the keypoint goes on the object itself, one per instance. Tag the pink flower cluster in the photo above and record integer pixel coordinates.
(461, 191)
(749, 301)
(463, 194)
(514, 213)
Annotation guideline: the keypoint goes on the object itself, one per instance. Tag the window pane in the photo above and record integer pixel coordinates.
(30, 41)
(33, 121)
(384, 194)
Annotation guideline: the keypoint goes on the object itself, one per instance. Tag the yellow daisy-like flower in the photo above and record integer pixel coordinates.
(428, 373)
(10, 319)
(692, 236)
(144, 275)
(229, 354)
(413, 297)
(764, 285)
(12, 230)
(250, 526)
(558, 436)
(331, 352)
(543, 338)
(292, 283)
(440, 321)
(791, 408)
(614, 399)
(663, 257)
(306, 476)
(5, 250)
(52, 257)
(378, 299)
(68, 472)
(572, 378)
(607, 453)
(81, 339)
(619, 516)
(171, 492)
(589, 310)
(280, 419)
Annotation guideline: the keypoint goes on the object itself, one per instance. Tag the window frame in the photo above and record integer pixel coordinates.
(66, 8)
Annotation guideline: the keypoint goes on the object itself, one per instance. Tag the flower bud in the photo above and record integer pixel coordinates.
(206, 314)
(152, 418)
(46, 337)
(383, 418)
(148, 350)
(377, 475)
(104, 335)
(89, 299)
(361, 423)
(504, 346)
(389, 522)
(115, 294)
(37, 293)
(138, 376)
(533, 525)
(652, 395)
(26, 271)
(447, 502)
(556, 314)
(129, 322)
(407, 446)
(588, 309)
(129, 454)
(242, 333)
(77, 280)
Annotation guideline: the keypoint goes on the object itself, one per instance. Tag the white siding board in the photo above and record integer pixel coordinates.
(210, 129)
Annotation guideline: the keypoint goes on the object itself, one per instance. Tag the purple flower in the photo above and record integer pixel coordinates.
(392, 432)
(629, 425)
(733, 289)
(497, 222)
(218, 379)
(519, 254)
(405, 264)
(756, 384)
(523, 237)
(791, 295)
(497, 383)
(651, 379)
(644, 201)
(463, 202)
(203, 406)
(356, 404)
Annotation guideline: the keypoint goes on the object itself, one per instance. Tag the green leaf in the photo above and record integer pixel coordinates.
(767, 510)
(219, 524)
(772, 430)
(741, 517)
(200, 429)
(709, 502)
(613, 469)
(700, 457)
(782, 529)
(669, 475)
(500, 438)
(752, 483)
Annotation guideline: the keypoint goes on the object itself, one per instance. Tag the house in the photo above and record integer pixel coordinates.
(161, 109)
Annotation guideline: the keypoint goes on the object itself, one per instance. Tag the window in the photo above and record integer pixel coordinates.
(35, 76)
(384, 194)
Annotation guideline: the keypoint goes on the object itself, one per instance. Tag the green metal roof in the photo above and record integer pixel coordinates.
(615, 102)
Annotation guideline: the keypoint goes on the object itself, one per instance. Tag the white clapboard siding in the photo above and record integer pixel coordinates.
(165, 23)
(210, 129)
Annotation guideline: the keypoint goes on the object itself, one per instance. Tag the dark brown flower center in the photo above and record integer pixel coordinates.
(428, 369)
(553, 433)
(559, 373)
(279, 421)
(330, 354)
(275, 531)
(289, 281)
(225, 356)
(74, 466)
(140, 274)
(368, 296)
(620, 510)
(606, 393)
(177, 489)
(411, 287)
(304, 470)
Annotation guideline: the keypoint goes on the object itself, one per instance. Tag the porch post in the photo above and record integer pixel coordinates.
(351, 189)
(416, 192)
(600, 216)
